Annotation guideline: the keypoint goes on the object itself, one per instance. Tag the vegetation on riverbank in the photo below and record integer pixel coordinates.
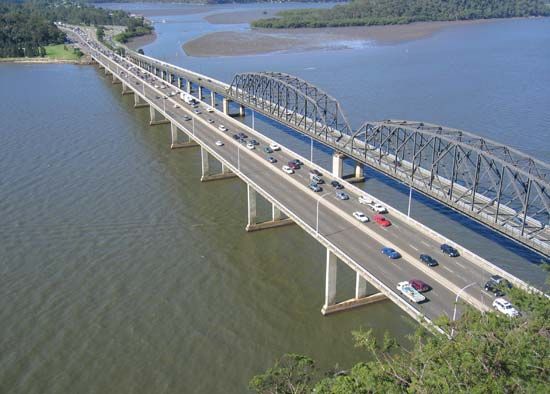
(489, 353)
(62, 52)
(390, 12)
(27, 28)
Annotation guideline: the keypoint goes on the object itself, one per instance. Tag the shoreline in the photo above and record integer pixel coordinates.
(137, 42)
(265, 41)
(29, 60)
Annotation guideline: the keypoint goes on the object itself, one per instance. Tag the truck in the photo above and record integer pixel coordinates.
(188, 99)
(373, 205)
(408, 291)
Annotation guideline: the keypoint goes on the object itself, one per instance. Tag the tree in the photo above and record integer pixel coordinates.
(292, 374)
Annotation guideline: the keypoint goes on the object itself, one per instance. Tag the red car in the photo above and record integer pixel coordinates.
(293, 165)
(418, 285)
(381, 220)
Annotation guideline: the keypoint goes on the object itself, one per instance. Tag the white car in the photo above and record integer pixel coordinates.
(222, 127)
(210, 109)
(364, 200)
(250, 145)
(503, 306)
(209, 120)
(360, 216)
(219, 143)
(378, 208)
(176, 106)
(408, 291)
(287, 169)
(274, 146)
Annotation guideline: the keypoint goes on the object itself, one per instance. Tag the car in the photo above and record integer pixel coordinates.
(315, 187)
(236, 137)
(222, 127)
(293, 165)
(316, 179)
(157, 97)
(250, 146)
(504, 306)
(271, 159)
(219, 143)
(428, 260)
(210, 109)
(408, 291)
(360, 216)
(254, 142)
(391, 253)
(492, 288)
(315, 172)
(210, 120)
(376, 207)
(274, 146)
(418, 285)
(186, 117)
(267, 149)
(288, 170)
(298, 162)
(336, 185)
(197, 111)
(176, 106)
(342, 195)
(499, 280)
(364, 200)
(381, 220)
(243, 135)
(449, 250)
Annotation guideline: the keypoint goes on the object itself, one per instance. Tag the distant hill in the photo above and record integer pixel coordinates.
(387, 12)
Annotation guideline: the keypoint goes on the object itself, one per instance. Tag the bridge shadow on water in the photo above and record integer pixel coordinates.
(301, 144)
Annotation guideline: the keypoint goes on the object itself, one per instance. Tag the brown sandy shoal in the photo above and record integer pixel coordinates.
(138, 42)
(261, 41)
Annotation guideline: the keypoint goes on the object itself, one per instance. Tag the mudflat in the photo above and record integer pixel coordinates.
(262, 41)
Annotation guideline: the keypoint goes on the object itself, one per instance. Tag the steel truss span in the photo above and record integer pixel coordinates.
(499, 186)
(292, 101)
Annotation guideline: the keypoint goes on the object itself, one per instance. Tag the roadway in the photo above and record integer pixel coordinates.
(362, 242)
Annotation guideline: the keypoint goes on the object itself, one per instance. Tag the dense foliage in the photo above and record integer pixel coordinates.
(26, 27)
(387, 12)
(489, 353)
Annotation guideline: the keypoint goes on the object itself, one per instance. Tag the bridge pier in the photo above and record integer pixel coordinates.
(180, 82)
(241, 110)
(276, 214)
(156, 117)
(139, 101)
(176, 143)
(361, 297)
(200, 92)
(213, 99)
(116, 80)
(338, 169)
(205, 166)
(126, 89)
(189, 87)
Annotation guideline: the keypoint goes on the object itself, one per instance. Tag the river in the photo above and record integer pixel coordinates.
(121, 272)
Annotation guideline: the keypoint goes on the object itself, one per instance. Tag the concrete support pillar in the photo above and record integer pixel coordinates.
(241, 110)
(177, 141)
(225, 106)
(251, 195)
(200, 92)
(139, 101)
(359, 170)
(338, 165)
(205, 164)
(180, 82)
(116, 80)
(275, 213)
(213, 99)
(330, 281)
(360, 286)
(189, 87)
(126, 89)
(156, 117)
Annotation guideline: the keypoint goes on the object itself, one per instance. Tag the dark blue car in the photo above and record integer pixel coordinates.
(391, 253)
(449, 250)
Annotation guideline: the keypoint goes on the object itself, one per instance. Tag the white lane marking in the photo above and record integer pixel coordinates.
(448, 269)
(414, 247)
(425, 244)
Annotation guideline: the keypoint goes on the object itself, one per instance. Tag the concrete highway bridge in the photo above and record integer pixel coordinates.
(327, 219)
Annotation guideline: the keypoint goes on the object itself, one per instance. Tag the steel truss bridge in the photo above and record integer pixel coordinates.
(492, 183)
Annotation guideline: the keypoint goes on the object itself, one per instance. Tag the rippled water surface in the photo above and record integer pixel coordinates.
(120, 272)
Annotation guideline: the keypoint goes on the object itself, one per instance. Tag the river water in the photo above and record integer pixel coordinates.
(121, 272)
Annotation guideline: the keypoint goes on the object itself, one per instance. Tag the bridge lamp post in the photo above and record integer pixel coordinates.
(456, 302)
(317, 215)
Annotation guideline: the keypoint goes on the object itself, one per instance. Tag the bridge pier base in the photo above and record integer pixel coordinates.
(276, 215)
(126, 90)
(205, 166)
(156, 117)
(176, 143)
(358, 176)
(139, 101)
(361, 297)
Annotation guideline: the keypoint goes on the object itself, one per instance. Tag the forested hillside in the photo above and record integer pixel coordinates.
(386, 12)
(27, 27)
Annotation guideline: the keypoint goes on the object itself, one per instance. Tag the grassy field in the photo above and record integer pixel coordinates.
(58, 52)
